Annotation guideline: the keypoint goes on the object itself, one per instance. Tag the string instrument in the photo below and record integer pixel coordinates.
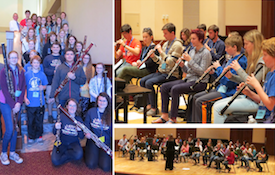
(97, 141)
(149, 54)
(10, 85)
(237, 93)
(73, 70)
(204, 75)
(177, 64)
(215, 82)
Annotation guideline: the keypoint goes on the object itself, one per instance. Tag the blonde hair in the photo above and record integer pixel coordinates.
(268, 46)
(234, 40)
(34, 37)
(256, 38)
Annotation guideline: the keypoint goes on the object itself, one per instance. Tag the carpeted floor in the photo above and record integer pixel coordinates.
(39, 163)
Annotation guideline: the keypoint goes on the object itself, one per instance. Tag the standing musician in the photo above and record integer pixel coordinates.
(11, 106)
(130, 50)
(170, 152)
(122, 144)
(218, 49)
(226, 87)
(71, 89)
(148, 67)
(252, 45)
(206, 40)
(99, 121)
(70, 148)
(198, 61)
(169, 53)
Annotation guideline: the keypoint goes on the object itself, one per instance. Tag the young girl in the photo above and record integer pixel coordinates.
(89, 70)
(96, 84)
(34, 20)
(25, 59)
(63, 17)
(49, 23)
(99, 121)
(65, 27)
(62, 39)
(261, 158)
(71, 42)
(9, 105)
(184, 150)
(70, 148)
(43, 24)
(57, 27)
(25, 41)
(38, 22)
(36, 82)
(78, 48)
(48, 45)
(42, 39)
(186, 39)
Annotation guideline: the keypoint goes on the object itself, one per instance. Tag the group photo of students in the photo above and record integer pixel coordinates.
(197, 75)
(194, 151)
(64, 93)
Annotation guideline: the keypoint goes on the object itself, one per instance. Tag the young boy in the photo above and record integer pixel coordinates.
(266, 95)
(36, 82)
(50, 64)
(226, 87)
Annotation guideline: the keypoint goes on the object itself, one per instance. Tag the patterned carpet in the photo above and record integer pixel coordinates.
(39, 163)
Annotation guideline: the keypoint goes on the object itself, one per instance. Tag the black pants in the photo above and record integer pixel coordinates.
(35, 121)
(0, 126)
(258, 164)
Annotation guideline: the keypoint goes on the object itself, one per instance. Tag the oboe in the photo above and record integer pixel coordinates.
(117, 41)
(10, 84)
(98, 142)
(149, 54)
(237, 93)
(73, 70)
(177, 64)
(203, 76)
(220, 77)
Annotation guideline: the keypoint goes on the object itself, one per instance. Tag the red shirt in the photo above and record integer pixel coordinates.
(231, 158)
(130, 57)
(23, 22)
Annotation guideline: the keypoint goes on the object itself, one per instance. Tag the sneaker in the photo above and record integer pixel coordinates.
(50, 119)
(151, 112)
(30, 142)
(40, 141)
(4, 159)
(15, 157)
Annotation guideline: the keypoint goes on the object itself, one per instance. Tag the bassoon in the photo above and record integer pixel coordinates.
(10, 84)
(105, 80)
(98, 142)
(73, 70)
(203, 76)
(177, 64)
(215, 82)
(149, 54)
(238, 93)
(84, 43)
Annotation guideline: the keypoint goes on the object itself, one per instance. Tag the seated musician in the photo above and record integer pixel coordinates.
(162, 147)
(198, 61)
(225, 88)
(247, 154)
(149, 66)
(229, 160)
(207, 153)
(206, 40)
(197, 152)
(169, 53)
(142, 148)
(265, 95)
(70, 148)
(131, 148)
(216, 154)
(122, 144)
(71, 89)
(177, 149)
(184, 151)
(130, 50)
(185, 36)
(99, 121)
(252, 45)
(261, 158)
(222, 154)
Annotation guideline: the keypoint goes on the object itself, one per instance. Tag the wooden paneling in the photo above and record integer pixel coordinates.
(268, 18)
(241, 135)
(241, 29)
(270, 141)
(150, 132)
(117, 19)
(185, 133)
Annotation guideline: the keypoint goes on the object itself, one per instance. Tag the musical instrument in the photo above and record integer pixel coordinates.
(177, 64)
(57, 143)
(117, 41)
(148, 55)
(97, 141)
(203, 75)
(40, 99)
(84, 43)
(105, 80)
(215, 82)
(73, 70)
(237, 93)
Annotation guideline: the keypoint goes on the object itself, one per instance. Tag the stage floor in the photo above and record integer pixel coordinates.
(123, 165)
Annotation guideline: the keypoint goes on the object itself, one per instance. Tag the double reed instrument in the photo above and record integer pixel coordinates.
(84, 43)
(177, 64)
(220, 77)
(117, 41)
(105, 72)
(238, 93)
(73, 70)
(98, 142)
(149, 54)
(204, 75)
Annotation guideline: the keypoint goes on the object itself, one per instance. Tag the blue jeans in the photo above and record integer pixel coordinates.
(10, 133)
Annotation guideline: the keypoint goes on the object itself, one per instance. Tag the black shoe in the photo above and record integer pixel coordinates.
(50, 119)
(229, 170)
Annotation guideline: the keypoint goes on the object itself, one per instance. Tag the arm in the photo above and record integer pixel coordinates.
(80, 76)
(47, 67)
(92, 87)
(56, 81)
(205, 63)
(220, 50)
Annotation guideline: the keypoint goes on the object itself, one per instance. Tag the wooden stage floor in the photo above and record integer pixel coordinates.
(124, 165)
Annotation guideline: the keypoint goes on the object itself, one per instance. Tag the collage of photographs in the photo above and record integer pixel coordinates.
(137, 87)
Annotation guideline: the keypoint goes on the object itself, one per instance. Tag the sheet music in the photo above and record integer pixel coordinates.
(119, 63)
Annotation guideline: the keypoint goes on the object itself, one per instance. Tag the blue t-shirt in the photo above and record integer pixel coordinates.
(33, 82)
(269, 88)
(28, 67)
